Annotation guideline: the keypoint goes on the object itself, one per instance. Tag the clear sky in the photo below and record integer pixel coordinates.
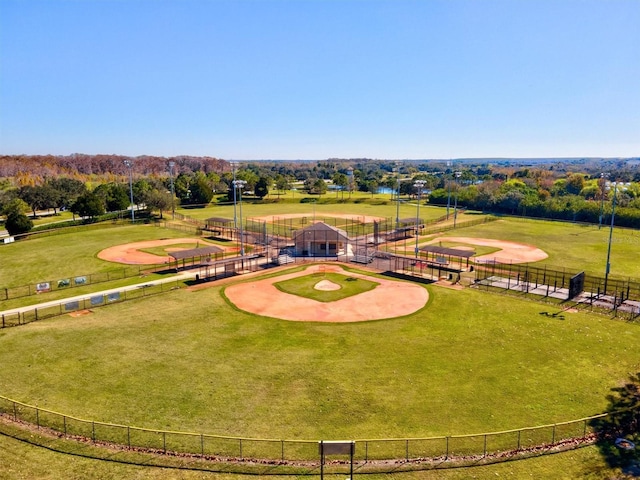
(314, 79)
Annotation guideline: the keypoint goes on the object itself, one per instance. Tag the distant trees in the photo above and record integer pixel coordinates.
(572, 190)
(67, 190)
(315, 186)
(89, 204)
(261, 189)
(115, 196)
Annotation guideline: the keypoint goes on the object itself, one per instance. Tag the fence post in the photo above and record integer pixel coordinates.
(15, 412)
(93, 432)
(240, 448)
(64, 423)
(38, 417)
(282, 449)
(129, 436)
(446, 455)
(406, 450)
(519, 434)
(164, 442)
(553, 435)
(202, 444)
(484, 454)
(366, 451)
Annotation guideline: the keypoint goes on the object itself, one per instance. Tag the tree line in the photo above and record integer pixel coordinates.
(89, 186)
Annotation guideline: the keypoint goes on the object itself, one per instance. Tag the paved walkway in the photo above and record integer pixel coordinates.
(86, 296)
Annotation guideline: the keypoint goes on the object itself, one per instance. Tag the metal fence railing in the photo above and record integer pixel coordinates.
(451, 449)
(621, 298)
(39, 312)
(70, 282)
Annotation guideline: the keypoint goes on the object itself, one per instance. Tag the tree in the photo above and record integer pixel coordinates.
(158, 200)
(201, 192)
(282, 183)
(18, 223)
(114, 195)
(340, 180)
(575, 183)
(262, 188)
(33, 196)
(315, 186)
(88, 205)
(68, 189)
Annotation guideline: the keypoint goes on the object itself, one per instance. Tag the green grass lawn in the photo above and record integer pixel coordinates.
(470, 362)
(384, 208)
(162, 250)
(68, 255)
(187, 361)
(305, 286)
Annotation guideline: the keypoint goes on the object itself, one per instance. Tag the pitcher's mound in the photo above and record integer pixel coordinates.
(327, 286)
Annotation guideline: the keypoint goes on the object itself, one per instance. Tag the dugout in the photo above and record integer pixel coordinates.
(451, 259)
(405, 228)
(195, 256)
(220, 227)
(227, 267)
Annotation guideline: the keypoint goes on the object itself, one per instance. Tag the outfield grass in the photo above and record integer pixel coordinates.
(384, 208)
(187, 361)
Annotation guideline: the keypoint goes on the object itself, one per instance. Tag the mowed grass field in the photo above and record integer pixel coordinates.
(189, 361)
(469, 362)
(378, 207)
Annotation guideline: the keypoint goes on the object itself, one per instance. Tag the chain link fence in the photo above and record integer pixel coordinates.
(379, 454)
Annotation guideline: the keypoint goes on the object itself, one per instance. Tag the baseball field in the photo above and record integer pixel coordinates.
(249, 358)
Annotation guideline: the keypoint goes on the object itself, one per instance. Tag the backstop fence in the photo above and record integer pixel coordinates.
(451, 449)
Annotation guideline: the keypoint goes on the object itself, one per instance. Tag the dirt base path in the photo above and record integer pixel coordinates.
(388, 300)
(510, 252)
(130, 253)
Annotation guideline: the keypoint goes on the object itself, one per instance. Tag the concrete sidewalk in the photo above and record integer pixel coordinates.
(87, 296)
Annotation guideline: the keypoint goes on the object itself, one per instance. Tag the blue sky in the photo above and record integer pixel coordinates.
(311, 79)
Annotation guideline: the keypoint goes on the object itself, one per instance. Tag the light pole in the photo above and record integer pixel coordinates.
(448, 190)
(397, 197)
(233, 183)
(602, 188)
(240, 185)
(615, 186)
(129, 165)
(173, 195)
(419, 185)
(455, 205)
